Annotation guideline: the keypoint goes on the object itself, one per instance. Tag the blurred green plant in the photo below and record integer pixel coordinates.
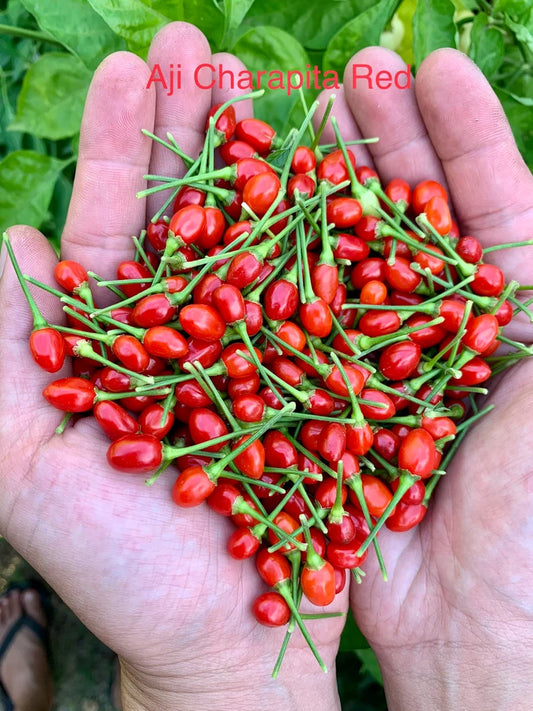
(49, 49)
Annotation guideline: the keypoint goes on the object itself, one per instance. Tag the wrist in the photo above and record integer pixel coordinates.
(244, 688)
(463, 676)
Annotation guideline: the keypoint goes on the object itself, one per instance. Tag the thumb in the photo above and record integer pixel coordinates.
(25, 413)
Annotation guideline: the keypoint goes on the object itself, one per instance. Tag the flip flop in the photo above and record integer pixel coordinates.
(39, 630)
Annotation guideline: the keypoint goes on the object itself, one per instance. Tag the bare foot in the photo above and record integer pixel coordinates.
(24, 669)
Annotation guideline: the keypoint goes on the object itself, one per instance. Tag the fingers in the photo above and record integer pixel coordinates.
(183, 110)
(243, 109)
(23, 380)
(346, 122)
(404, 148)
(490, 184)
(114, 155)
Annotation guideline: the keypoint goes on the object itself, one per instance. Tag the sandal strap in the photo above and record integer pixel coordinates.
(24, 621)
(5, 701)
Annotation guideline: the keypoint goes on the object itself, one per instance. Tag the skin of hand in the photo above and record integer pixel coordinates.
(154, 582)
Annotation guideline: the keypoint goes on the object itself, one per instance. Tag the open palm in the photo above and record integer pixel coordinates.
(154, 582)
(460, 584)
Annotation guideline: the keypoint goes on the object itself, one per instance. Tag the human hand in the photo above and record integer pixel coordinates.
(152, 581)
(453, 627)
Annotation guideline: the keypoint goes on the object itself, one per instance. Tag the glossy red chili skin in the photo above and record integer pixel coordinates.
(326, 492)
(386, 443)
(188, 196)
(273, 567)
(379, 323)
(439, 427)
(47, 348)
(192, 487)
(131, 353)
(225, 124)
(304, 184)
(232, 151)
(414, 494)
(311, 433)
(191, 394)
(405, 517)
(243, 270)
(325, 280)
(400, 276)
(115, 382)
(372, 268)
(236, 365)
(344, 555)
(248, 408)
(366, 228)
(202, 322)
(228, 301)
(251, 461)
(133, 270)
(417, 453)
(344, 212)
(399, 360)
(271, 610)
(206, 352)
(398, 191)
(320, 402)
(205, 425)
(350, 247)
(335, 382)
(242, 544)
(342, 531)
(287, 524)
(114, 420)
(376, 413)
(137, 404)
(359, 439)
(488, 280)
(157, 234)
(504, 314)
(135, 453)
(452, 311)
(319, 585)
(469, 249)
(165, 342)
(279, 451)
(153, 310)
(332, 442)
(303, 160)
(316, 318)
(243, 386)
(215, 224)
(151, 421)
(253, 317)
(292, 334)
(474, 372)
(70, 275)
(188, 223)
(256, 133)
(260, 192)
(424, 337)
(223, 498)
(280, 300)
(246, 168)
(333, 167)
(481, 332)
(70, 394)
(438, 214)
(270, 398)
(424, 191)
(206, 287)
(340, 579)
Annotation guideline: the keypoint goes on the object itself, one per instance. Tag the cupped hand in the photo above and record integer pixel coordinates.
(154, 582)
(453, 627)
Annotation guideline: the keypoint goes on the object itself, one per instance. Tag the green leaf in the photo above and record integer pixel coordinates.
(363, 31)
(207, 16)
(78, 27)
(519, 116)
(27, 182)
(312, 22)
(235, 11)
(433, 27)
(352, 638)
(370, 664)
(50, 103)
(520, 29)
(133, 20)
(513, 7)
(486, 47)
(269, 49)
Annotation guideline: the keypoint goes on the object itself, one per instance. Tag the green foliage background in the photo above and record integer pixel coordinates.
(49, 49)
